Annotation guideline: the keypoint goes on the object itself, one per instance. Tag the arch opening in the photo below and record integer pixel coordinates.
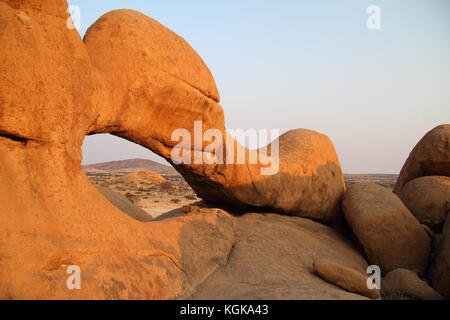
(134, 179)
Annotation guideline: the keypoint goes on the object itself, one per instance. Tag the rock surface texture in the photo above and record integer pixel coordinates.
(428, 198)
(273, 259)
(389, 234)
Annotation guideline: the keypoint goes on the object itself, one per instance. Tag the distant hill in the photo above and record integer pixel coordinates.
(128, 166)
(140, 177)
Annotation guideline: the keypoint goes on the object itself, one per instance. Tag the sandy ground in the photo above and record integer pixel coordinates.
(154, 197)
(165, 199)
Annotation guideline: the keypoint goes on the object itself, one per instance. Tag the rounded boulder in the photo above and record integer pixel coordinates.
(427, 198)
(389, 234)
(430, 157)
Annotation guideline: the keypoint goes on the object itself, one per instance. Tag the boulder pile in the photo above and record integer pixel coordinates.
(389, 234)
(405, 230)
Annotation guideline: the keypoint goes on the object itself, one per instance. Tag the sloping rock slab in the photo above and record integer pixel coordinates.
(273, 259)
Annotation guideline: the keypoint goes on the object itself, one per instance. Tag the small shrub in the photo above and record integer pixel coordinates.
(129, 196)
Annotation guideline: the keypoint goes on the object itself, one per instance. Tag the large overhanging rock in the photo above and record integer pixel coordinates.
(138, 80)
(160, 85)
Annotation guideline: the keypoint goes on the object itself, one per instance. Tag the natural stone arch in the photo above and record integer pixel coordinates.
(50, 214)
(159, 84)
(55, 89)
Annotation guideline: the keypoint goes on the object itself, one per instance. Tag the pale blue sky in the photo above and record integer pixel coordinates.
(312, 64)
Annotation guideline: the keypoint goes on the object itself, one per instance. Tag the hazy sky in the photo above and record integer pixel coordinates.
(312, 64)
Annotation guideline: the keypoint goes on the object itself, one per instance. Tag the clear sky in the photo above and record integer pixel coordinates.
(312, 64)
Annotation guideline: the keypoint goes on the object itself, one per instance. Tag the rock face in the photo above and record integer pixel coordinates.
(440, 268)
(389, 234)
(346, 278)
(138, 80)
(427, 198)
(404, 284)
(273, 259)
(430, 157)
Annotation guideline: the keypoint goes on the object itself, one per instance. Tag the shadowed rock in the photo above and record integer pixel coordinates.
(345, 277)
(404, 284)
(427, 199)
(440, 268)
(389, 234)
(123, 204)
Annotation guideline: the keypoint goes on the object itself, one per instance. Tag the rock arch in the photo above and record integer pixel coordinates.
(136, 79)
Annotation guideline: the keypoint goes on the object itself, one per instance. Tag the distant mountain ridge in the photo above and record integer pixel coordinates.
(130, 165)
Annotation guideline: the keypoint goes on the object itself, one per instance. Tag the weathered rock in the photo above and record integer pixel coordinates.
(56, 8)
(440, 268)
(159, 84)
(309, 182)
(344, 277)
(123, 204)
(273, 259)
(389, 234)
(430, 157)
(50, 214)
(405, 284)
(136, 79)
(427, 199)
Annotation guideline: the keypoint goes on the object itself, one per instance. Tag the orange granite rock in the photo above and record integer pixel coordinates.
(50, 214)
(427, 198)
(138, 80)
(159, 84)
(389, 234)
(345, 277)
(430, 157)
